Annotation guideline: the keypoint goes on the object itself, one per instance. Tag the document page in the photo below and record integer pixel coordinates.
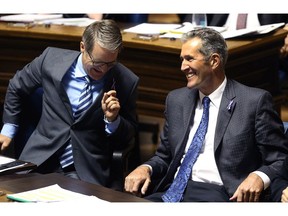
(52, 193)
(80, 22)
(29, 18)
(264, 29)
(151, 28)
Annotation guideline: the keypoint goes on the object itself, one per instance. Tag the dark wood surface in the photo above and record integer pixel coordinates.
(252, 61)
(22, 182)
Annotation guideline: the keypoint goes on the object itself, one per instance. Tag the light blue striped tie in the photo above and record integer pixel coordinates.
(85, 102)
(178, 186)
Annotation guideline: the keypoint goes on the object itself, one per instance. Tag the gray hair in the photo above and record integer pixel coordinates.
(106, 33)
(212, 42)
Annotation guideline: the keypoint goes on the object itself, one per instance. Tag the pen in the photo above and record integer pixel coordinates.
(113, 84)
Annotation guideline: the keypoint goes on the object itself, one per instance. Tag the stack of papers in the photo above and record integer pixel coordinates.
(151, 28)
(264, 29)
(29, 18)
(80, 22)
(185, 27)
(176, 30)
(47, 19)
(53, 193)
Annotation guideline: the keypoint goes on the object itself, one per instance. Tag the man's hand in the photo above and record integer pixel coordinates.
(110, 105)
(249, 190)
(284, 197)
(140, 177)
(284, 48)
(4, 142)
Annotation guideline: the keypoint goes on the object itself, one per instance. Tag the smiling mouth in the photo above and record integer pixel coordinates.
(190, 75)
(96, 71)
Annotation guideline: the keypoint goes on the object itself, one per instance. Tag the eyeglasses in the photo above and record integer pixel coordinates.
(101, 64)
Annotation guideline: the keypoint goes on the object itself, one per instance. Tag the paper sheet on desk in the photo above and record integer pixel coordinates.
(152, 28)
(264, 29)
(53, 193)
(80, 22)
(185, 27)
(29, 18)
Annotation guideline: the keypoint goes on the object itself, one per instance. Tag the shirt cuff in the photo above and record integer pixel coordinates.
(9, 130)
(151, 170)
(111, 127)
(264, 178)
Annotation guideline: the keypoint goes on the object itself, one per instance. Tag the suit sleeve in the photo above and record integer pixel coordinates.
(20, 86)
(270, 137)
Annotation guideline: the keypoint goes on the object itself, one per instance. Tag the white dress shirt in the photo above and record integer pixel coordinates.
(205, 169)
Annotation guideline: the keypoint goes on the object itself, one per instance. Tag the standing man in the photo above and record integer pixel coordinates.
(244, 145)
(73, 139)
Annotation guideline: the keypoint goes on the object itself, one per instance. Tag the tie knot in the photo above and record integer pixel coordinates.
(206, 101)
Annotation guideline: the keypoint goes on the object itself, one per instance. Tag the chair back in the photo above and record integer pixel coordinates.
(285, 124)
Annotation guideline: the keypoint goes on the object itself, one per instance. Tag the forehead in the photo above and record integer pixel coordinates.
(100, 54)
(191, 46)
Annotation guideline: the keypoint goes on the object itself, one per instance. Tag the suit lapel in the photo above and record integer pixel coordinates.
(60, 70)
(189, 105)
(226, 109)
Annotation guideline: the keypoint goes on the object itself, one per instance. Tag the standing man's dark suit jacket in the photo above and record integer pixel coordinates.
(249, 135)
(220, 19)
(92, 147)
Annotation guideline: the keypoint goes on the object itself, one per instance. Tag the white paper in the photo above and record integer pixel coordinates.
(185, 27)
(29, 17)
(4, 160)
(80, 22)
(53, 193)
(264, 29)
(151, 28)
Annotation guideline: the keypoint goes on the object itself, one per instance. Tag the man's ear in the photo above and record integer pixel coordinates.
(82, 47)
(214, 60)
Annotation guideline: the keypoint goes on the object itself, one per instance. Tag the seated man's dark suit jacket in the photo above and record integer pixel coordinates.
(92, 147)
(280, 183)
(249, 135)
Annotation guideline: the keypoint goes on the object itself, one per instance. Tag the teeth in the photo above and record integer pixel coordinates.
(189, 75)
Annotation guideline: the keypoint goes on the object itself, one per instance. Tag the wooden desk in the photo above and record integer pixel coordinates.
(20, 183)
(252, 61)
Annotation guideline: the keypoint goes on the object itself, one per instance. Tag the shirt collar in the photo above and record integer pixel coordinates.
(216, 96)
(79, 69)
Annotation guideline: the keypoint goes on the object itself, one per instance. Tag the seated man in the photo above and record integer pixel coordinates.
(234, 156)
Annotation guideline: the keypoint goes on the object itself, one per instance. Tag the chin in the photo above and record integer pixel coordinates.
(190, 85)
(96, 76)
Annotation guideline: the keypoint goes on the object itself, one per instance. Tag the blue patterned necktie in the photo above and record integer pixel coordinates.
(85, 102)
(177, 188)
